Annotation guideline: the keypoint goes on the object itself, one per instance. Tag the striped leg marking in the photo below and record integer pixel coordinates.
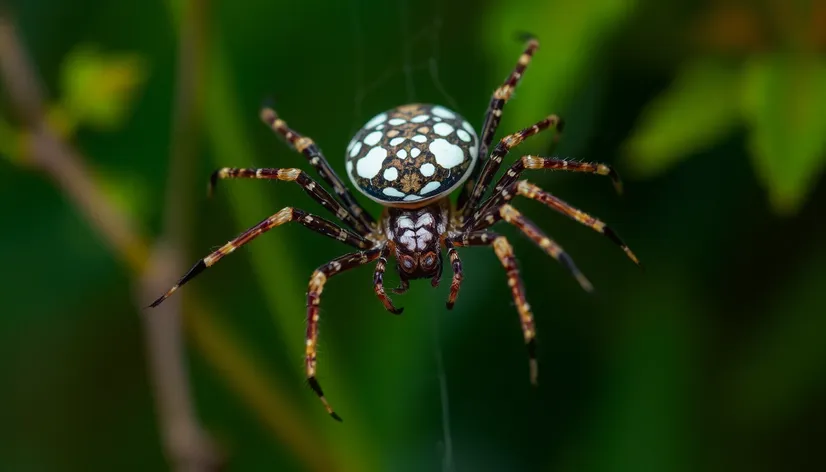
(316, 286)
(285, 215)
(456, 264)
(306, 146)
(378, 280)
(504, 252)
(310, 186)
(512, 216)
(529, 190)
(494, 114)
(501, 150)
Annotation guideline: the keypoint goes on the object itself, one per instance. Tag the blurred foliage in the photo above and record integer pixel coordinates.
(98, 90)
(714, 359)
(762, 68)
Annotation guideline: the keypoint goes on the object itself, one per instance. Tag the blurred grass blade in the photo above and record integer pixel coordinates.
(701, 106)
(784, 102)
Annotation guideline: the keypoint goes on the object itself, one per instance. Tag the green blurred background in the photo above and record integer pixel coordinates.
(714, 358)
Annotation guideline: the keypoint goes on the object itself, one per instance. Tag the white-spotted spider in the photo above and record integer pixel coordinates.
(410, 159)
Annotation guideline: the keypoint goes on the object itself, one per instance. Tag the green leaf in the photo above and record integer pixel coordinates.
(784, 102)
(699, 108)
(570, 35)
(98, 89)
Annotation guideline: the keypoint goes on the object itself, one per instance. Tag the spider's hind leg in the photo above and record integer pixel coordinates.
(316, 286)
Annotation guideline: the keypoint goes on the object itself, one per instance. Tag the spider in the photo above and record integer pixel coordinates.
(410, 159)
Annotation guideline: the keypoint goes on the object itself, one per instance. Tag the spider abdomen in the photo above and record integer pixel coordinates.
(412, 155)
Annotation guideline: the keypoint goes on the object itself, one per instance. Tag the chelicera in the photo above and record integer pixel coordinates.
(410, 160)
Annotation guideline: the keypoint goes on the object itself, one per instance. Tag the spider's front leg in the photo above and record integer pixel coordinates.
(501, 95)
(285, 215)
(316, 286)
(504, 252)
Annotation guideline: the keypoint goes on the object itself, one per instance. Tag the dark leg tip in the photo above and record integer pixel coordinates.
(213, 181)
(156, 302)
(396, 311)
(524, 36)
(560, 126)
(449, 305)
(336, 417)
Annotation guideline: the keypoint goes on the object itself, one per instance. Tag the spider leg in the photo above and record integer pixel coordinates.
(456, 264)
(504, 252)
(529, 190)
(310, 186)
(306, 146)
(512, 216)
(285, 215)
(404, 285)
(501, 150)
(378, 280)
(316, 286)
(494, 113)
(537, 162)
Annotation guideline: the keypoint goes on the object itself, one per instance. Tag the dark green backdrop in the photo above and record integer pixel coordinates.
(714, 358)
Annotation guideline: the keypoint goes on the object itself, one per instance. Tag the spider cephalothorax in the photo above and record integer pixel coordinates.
(410, 159)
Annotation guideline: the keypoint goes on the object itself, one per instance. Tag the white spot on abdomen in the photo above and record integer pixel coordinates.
(391, 192)
(419, 119)
(443, 112)
(415, 152)
(397, 121)
(468, 128)
(391, 173)
(419, 138)
(376, 120)
(397, 141)
(442, 129)
(354, 152)
(373, 138)
(463, 135)
(447, 155)
(401, 154)
(370, 165)
(431, 186)
(427, 169)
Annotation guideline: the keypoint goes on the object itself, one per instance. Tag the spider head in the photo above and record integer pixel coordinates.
(419, 264)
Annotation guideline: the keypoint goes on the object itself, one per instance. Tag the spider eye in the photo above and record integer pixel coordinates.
(428, 260)
(408, 263)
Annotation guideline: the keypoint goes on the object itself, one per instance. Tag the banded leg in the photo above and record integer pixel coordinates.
(512, 216)
(456, 264)
(306, 146)
(504, 252)
(378, 280)
(501, 150)
(494, 113)
(529, 190)
(285, 215)
(316, 286)
(310, 186)
(550, 163)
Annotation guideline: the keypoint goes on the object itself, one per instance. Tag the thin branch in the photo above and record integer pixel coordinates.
(187, 446)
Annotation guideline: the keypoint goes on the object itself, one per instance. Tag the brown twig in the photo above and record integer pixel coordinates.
(46, 151)
(186, 444)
